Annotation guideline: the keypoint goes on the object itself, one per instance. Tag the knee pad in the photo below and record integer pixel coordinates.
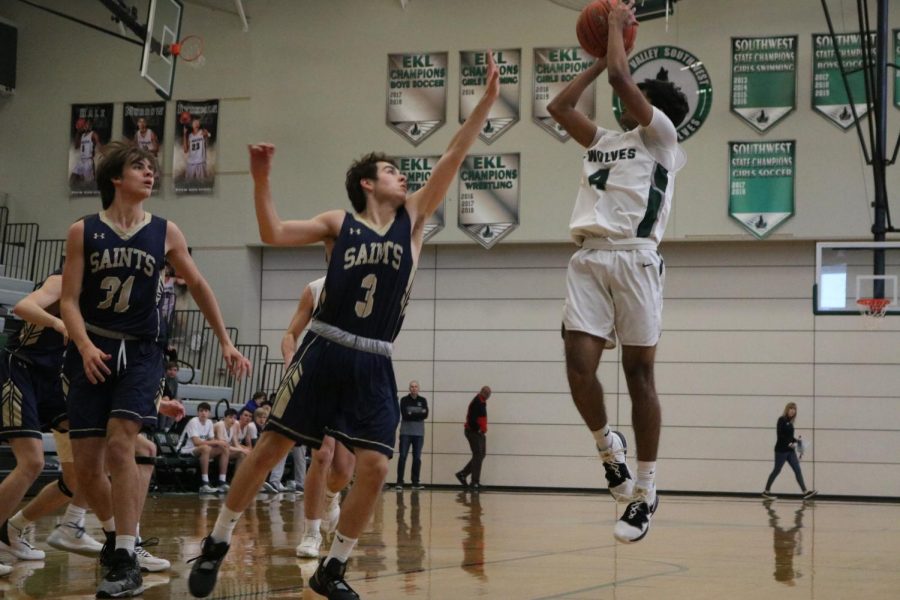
(145, 460)
(61, 484)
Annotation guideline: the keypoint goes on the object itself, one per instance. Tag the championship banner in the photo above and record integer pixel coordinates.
(489, 197)
(473, 81)
(143, 124)
(761, 183)
(686, 71)
(90, 128)
(417, 170)
(194, 153)
(554, 68)
(897, 71)
(763, 79)
(829, 94)
(417, 94)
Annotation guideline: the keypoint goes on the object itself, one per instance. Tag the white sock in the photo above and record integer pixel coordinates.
(646, 477)
(312, 526)
(109, 525)
(329, 497)
(222, 478)
(74, 514)
(225, 525)
(341, 548)
(19, 521)
(604, 437)
(125, 542)
(204, 479)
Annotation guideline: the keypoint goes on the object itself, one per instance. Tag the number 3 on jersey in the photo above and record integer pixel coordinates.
(114, 285)
(365, 306)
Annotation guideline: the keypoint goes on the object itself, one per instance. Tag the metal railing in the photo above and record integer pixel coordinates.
(19, 245)
(4, 219)
(47, 258)
(258, 355)
(271, 376)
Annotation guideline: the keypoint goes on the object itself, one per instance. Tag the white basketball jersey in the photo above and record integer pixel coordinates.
(196, 149)
(145, 140)
(627, 182)
(87, 145)
(316, 288)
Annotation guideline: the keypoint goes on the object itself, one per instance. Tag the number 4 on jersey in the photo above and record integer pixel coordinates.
(598, 179)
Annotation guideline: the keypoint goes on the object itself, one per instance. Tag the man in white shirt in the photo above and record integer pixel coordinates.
(200, 441)
(615, 280)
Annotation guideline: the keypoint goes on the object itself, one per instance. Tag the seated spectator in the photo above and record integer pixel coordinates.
(258, 399)
(236, 433)
(170, 394)
(200, 441)
(260, 416)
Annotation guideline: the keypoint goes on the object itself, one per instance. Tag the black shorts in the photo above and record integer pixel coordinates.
(31, 399)
(333, 390)
(131, 391)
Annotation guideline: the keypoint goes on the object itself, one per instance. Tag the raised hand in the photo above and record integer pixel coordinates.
(261, 159)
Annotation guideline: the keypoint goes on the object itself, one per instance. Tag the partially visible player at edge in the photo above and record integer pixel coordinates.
(615, 280)
(341, 382)
(112, 283)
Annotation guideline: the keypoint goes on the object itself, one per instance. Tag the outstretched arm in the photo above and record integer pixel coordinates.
(562, 107)
(177, 254)
(426, 200)
(272, 230)
(620, 16)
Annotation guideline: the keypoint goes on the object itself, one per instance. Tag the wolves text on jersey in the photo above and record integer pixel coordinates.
(373, 253)
(135, 258)
(600, 156)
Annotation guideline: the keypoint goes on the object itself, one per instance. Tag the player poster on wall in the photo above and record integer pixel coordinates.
(829, 94)
(763, 79)
(472, 81)
(417, 94)
(143, 124)
(554, 69)
(896, 34)
(489, 197)
(194, 152)
(417, 170)
(90, 128)
(761, 183)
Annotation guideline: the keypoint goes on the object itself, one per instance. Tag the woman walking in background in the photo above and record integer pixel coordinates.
(785, 450)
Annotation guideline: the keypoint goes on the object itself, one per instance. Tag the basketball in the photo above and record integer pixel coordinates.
(592, 28)
(184, 118)
(80, 124)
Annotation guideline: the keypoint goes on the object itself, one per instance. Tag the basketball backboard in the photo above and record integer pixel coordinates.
(847, 272)
(163, 30)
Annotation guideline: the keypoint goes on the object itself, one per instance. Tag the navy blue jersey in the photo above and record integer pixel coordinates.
(369, 278)
(123, 277)
(37, 345)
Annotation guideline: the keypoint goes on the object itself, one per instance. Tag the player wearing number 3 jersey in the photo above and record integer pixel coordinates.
(112, 283)
(341, 381)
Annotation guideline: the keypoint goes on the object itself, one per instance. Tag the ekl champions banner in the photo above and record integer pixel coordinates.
(417, 170)
(194, 153)
(143, 124)
(417, 94)
(473, 80)
(554, 69)
(489, 197)
(90, 128)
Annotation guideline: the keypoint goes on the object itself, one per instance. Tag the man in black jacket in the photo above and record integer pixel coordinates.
(413, 411)
(476, 434)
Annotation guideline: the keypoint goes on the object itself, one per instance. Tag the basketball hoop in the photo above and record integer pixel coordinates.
(873, 308)
(190, 50)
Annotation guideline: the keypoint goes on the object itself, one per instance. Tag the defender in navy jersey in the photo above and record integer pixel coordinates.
(341, 382)
(112, 283)
(614, 281)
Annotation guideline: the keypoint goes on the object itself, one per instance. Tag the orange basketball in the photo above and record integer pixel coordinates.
(184, 118)
(592, 28)
(80, 124)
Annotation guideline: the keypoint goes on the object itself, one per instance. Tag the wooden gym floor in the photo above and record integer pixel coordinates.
(454, 544)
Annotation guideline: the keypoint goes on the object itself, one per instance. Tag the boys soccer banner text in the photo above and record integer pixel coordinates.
(417, 94)
(830, 96)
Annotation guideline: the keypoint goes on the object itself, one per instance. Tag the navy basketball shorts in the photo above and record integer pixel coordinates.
(333, 390)
(31, 399)
(131, 391)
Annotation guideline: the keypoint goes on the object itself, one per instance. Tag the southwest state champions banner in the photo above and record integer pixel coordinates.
(418, 170)
(763, 79)
(472, 81)
(143, 124)
(489, 197)
(194, 153)
(90, 128)
(829, 95)
(417, 94)
(554, 69)
(761, 183)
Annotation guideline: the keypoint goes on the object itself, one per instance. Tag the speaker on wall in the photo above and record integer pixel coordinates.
(9, 37)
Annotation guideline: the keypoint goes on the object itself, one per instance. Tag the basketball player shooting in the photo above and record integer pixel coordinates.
(614, 283)
(341, 379)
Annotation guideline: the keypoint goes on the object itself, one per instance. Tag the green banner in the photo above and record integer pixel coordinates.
(763, 79)
(761, 184)
(829, 95)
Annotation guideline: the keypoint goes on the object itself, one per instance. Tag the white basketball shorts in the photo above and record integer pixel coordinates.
(196, 171)
(616, 293)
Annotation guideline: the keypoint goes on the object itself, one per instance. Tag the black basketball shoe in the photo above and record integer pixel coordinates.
(328, 581)
(205, 571)
(124, 578)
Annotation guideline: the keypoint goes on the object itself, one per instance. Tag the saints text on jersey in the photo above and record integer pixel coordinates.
(129, 258)
(373, 253)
